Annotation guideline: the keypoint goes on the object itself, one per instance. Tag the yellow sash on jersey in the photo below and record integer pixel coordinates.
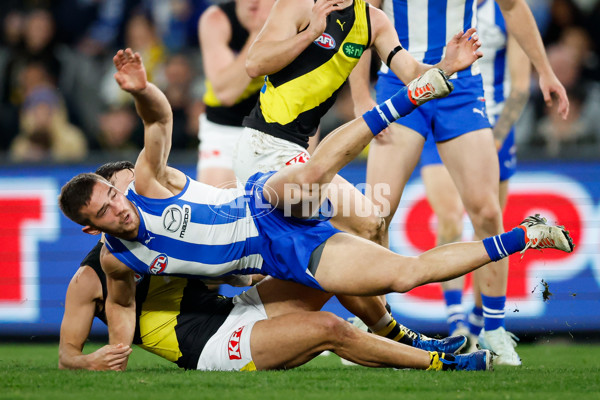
(286, 102)
(211, 100)
(159, 316)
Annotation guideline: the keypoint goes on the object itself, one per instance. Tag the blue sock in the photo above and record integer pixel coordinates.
(476, 320)
(387, 112)
(454, 308)
(493, 312)
(505, 244)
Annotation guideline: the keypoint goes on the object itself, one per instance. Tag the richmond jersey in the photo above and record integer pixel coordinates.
(293, 100)
(424, 27)
(494, 69)
(175, 317)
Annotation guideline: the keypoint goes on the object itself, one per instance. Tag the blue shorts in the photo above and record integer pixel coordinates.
(287, 242)
(463, 111)
(507, 156)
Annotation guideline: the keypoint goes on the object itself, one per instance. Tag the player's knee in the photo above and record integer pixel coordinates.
(449, 227)
(372, 228)
(336, 330)
(486, 215)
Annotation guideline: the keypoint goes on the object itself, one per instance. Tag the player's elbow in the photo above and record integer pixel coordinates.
(255, 64)
(166, 117)
(253, 68)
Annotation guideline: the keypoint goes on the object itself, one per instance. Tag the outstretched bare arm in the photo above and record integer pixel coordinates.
(83, 292)
(120, 302)
(151, 105)
(521, 24)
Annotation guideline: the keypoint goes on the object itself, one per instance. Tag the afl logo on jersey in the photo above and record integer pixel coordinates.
(325, 41)
(159, 264)
(172, 218)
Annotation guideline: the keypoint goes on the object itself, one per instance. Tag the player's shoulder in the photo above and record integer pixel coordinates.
(298, 8)
(378, 18)
(110, 263)
(85, 284)
(214, 23)
(214, 14)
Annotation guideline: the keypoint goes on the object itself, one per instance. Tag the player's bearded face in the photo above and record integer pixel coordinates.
(111, 212)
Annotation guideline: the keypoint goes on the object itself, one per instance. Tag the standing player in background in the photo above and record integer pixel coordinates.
(225, 32)
(307, 50)
(460, 128)
(506, 71)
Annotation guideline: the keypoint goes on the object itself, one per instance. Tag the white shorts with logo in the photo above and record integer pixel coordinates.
(229, 348)
(259, 152)
(217, 144)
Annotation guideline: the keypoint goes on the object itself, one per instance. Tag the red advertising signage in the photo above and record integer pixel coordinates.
(561, 200)
(28, 214)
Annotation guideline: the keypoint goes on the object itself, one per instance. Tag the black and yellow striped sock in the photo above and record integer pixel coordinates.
(393, 330)
(434, 361)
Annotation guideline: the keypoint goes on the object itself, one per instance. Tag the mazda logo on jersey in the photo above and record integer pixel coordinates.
(172, 218)
(325, 41)
(159, 264)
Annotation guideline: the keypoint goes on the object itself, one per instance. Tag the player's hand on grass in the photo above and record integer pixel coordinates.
(131, 74)
(111, 357)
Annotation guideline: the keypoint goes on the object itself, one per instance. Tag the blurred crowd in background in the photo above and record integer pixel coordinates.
(60, 103)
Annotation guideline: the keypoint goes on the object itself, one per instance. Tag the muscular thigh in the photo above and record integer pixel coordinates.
(354, 212)
(472, 161)
(392, 159)
(283, 297)
(441, 192)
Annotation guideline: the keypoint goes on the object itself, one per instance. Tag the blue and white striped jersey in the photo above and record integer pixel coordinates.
(203, 231)
(494, 68)
(424, 27)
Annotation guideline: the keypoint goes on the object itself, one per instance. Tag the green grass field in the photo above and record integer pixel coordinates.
(550, 371)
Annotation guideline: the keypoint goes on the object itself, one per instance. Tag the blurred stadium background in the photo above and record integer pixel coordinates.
(61, 113)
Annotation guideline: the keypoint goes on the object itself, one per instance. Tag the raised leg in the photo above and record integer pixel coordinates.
(341, 267)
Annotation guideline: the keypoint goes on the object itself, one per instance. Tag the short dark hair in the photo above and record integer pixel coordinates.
(77, 193)
(110, 168)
